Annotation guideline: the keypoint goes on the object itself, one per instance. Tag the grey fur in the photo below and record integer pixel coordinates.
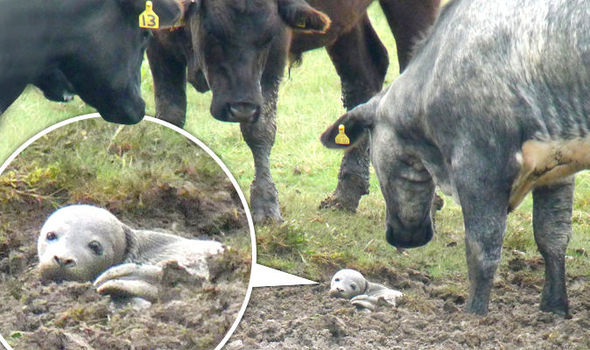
(130, 261)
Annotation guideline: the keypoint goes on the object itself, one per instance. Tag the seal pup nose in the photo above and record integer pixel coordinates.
(64, 262)
(335, 292)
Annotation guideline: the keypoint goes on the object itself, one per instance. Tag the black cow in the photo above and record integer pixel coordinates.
(494, 104)
(239, 48)
(96, 44)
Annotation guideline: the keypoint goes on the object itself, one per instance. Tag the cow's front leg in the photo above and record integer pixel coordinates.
(260, 137)
(9, 93)
(552, 223)
(361, 61)
(353, 178)
(485, 207)
(168, 66)
(408, 21)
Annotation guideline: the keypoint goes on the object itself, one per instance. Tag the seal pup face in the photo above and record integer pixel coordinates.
(78, 242)
(348, 283)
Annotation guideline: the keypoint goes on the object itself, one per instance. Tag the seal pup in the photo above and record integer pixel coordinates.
(365, 295)
(88, 243)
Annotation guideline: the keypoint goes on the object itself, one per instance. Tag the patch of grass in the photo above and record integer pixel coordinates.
(110, 161)
(34, 186)
(144, 170)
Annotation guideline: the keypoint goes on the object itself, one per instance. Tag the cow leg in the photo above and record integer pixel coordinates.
(552, 223)
(361, 61)
(485, 209)
(260, 137)
(408, 19)
(10, 92)
(169, 73)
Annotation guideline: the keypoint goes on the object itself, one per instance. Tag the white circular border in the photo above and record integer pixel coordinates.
(210, 153)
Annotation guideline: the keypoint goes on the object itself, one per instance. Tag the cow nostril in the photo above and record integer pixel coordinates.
(243, 110)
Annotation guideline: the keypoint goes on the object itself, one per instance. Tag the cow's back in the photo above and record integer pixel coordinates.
(509, 81)
(508, 64)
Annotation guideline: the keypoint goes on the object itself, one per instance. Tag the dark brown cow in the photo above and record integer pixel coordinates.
(239, 49)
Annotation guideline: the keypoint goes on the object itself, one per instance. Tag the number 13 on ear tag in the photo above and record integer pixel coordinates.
(148, 18)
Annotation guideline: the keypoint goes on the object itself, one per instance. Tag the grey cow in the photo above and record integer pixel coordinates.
(494, 104)
(93, 48)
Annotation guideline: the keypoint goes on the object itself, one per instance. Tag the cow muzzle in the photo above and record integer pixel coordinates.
(127, 112)
(402, 237)
(242, 112)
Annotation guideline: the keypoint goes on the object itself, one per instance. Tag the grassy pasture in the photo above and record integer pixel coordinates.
(312, 242)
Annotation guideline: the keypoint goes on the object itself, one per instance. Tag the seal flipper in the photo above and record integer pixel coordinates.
(365, 302)
(130, 280)
(130, 289)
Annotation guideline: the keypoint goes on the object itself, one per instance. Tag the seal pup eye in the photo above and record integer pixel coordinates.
(96, 247)
(353, 286)
(337, 280)
(51, 236)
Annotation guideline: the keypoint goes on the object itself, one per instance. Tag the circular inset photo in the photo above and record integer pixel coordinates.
(121, 237)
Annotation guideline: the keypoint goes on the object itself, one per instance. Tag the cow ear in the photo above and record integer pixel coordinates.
(300, 16)
(355, 123)
(169, 11)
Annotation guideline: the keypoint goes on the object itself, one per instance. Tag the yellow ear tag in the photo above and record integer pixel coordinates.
(148, 18)
(341, 138)
(301, 23)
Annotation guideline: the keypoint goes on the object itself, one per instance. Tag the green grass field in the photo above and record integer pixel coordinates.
(313, 242)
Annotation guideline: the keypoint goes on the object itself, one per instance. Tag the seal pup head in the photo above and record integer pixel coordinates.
(348, 283)
(78, 242)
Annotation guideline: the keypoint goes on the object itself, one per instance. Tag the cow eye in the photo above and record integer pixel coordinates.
(96, 247)
(51, 236)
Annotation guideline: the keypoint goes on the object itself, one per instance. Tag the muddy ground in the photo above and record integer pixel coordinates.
(72, 315)
(429, 317)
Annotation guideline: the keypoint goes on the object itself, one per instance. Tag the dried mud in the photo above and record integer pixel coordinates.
(430, 316)
(73, 315)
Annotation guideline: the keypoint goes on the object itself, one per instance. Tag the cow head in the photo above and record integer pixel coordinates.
(105, 66)
(405, 183)
(233, 40)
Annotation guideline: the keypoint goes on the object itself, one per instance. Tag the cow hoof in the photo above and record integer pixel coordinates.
(177, 118)
(558, 308)
(266, 215)
(335, 202)
(478, 308)
(347, 195)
